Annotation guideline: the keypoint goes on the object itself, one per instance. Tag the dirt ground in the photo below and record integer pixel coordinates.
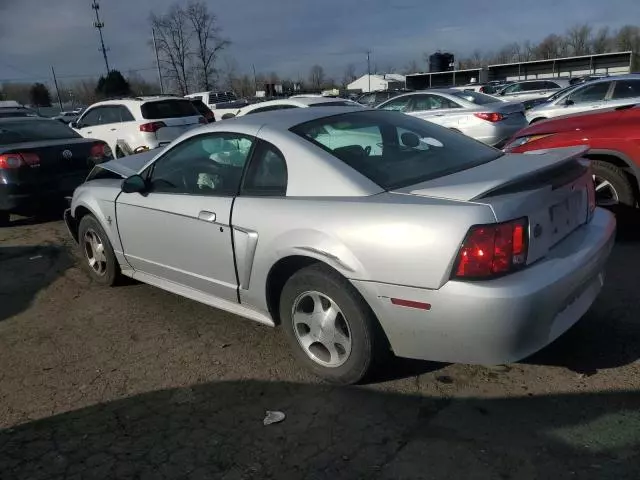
(135, 382)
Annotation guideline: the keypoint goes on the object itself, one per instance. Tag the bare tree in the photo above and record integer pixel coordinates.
(316, 77)
(229, 72)
(550, 47)
(601, 42)
(528, 52)
(16, 91)
(628, 38)
(349, 74)
(174, 43)
(578, 39)
(209, 42)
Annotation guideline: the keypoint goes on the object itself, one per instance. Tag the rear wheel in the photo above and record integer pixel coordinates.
(613, 186)
(330, 327)
(97, 252)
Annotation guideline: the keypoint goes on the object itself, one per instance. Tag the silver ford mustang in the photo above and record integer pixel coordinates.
(359, 232)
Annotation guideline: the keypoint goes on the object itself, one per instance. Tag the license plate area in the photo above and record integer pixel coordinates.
(567, 215)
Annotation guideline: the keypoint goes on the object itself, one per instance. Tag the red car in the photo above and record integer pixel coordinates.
(614, 140)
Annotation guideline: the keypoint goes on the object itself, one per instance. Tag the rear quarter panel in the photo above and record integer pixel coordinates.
(391, 238)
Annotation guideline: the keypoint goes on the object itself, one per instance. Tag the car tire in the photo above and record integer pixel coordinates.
(357, 339)
(623, 192)
(96, 252)
(5, 218)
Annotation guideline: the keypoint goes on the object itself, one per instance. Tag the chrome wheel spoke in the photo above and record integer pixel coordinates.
(601, 185)
(94, 252)
(334, 355)
(606, 194)
(341, 339)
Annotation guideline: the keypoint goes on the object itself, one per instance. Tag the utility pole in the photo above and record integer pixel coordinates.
(55, 82)
(100, 25)
(369, 68)
(153, 33)
(255, 81)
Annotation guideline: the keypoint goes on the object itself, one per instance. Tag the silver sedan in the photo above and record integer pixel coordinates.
(358, 232)
(483, 117)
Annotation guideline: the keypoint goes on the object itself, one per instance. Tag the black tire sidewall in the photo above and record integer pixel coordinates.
(109, 278)
(618, 179)
(355, 310)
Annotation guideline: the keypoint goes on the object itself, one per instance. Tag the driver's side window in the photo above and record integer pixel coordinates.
(209, 164)
(90, 119)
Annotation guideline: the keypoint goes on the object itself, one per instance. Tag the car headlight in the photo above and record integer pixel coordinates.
(518, 142)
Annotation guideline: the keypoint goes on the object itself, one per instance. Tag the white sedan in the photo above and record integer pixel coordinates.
(292, 102)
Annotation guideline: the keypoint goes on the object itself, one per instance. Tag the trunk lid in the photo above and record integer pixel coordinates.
(549, 187)
(178, 115)
(176, 127)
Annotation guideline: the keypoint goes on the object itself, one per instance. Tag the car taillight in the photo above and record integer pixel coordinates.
(100, 152)
(202, 120)
(152, 127)
(481, 89)
(489, 117)
(492, 250)
(17, 160)
(210, 117)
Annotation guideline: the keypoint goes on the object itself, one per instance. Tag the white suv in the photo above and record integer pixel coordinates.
(132, 125)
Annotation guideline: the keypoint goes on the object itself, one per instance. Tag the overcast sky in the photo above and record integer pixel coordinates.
(286, 36)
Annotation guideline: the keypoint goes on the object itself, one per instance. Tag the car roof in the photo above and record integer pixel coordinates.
(24, 119)
(285, 119)
(138, 100)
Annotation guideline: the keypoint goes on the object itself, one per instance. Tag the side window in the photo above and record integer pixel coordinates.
(209, 164)
(110, 114)
(270, 108)
(590, 93)
(369, 99)
(532, 86)
(398, 104)
(125, 114)
(551, 85)
(515, 88)
(267, 172)
(422, 103)
(626, 89)
(91, 118)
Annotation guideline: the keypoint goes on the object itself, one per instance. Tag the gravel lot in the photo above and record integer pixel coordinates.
(134, 382)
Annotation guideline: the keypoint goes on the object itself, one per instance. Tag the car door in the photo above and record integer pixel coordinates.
(111, 124)
(435, 108)
(586, 98)
(625, 92)
(179, 229)
(89, 124)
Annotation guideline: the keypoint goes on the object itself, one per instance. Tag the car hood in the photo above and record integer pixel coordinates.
(131, 164)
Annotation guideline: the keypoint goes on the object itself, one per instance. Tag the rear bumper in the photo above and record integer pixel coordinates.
(502, 320)
(15, 197)
(500, 134)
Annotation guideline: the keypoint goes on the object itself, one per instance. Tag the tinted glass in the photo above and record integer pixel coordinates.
(562, 92)
(168, 109)
(590, 93)
(626, 89)
(515, 88)
(109, 115)
(337, 103)
(267, 172)
(475, 97)
(393, 149)
(203, 165)
(201, 107)
(421, 103)
(91, 118)
(33, 130)
(125, 114)
(549, 84)
(532, 86)
(368, 99)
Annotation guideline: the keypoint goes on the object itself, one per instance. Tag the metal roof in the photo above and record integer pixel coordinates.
(563, 59)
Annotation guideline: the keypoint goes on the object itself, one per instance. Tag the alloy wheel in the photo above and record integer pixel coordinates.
(321, 329)
(606, 194)
(94, 252)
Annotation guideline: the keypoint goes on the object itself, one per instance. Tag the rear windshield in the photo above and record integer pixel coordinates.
(393, 149)
(201, 107)
(34, 130)
(168, 109)
(475, 97)
(337, 103)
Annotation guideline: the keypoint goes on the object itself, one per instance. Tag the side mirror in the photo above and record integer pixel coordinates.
(73, 124)
(410, 139)
(134, 184)
(568, 102)
(228, 115)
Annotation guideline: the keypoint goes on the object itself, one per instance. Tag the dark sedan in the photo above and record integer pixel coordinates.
(41, 159)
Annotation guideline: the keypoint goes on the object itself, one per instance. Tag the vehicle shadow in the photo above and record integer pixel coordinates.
(628, 223)
(50, 212)
(608, 336)
(26, 270)
(216, 430)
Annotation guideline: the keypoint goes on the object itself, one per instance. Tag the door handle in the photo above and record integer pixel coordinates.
(207, 216)
(89, 131)
(113, 129)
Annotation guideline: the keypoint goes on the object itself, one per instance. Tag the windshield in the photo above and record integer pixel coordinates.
(560, 93)
(34, 130)
(475, 97)
(393, 149)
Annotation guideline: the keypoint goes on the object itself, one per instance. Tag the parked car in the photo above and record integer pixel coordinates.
(220, 102)
(480, 116)
(613, 138)
(41, 159)
(587, 78)
(292, 102)
(372, 99)
(17, 112)
(487, 88)
(203, 110)
(593, 95)
(356, 231)
(533, 89)
(135, 124)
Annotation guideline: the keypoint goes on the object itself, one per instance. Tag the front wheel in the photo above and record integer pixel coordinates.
(330, 327)
(96, 250)
(612, 185)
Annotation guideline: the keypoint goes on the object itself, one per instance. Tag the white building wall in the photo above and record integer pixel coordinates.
(377, 83)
